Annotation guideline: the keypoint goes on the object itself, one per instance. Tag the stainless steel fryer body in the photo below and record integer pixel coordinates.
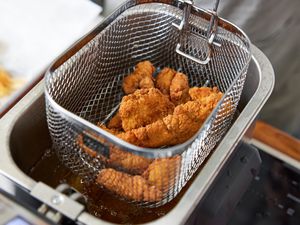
(24, 136)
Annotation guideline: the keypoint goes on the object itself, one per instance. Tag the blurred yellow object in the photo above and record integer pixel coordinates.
(6, 83)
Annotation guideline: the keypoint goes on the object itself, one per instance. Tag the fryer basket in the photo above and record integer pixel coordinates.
(85, 85)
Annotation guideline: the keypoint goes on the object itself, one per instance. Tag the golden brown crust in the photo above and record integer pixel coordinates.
(110, 130)
(143, 107)
(171, 130)
(131, 187)
(206, 95)
(115, 122)
(148, 118)
(162, 172)
(153, 135)
(164, 80)
(179, 89)
(177, 128)
(173, 84)
(140, 78)
(128, 161)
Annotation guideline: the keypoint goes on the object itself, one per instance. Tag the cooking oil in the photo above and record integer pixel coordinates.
(100, 203)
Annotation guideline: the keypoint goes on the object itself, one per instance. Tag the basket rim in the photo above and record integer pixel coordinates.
(142, 151)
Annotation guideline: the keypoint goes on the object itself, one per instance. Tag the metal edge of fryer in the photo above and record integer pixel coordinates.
(203, 180)
(8, 167)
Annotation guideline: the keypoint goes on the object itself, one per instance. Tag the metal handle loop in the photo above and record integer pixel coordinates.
(183, 27)
(205, 61)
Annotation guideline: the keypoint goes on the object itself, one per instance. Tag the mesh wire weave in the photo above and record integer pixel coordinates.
(88, 85)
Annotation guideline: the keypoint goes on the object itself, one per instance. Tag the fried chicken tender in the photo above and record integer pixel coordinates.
(143, 107)
(153, 135)
(174, 84)
(115, 122)
(111, 130)
(179, 89)
(128, 161)
(171, 130)
(140, 78)
(164, 80)
(178, 127)
(162, 173)
(131, 187)
(206, 95)
(118, 158)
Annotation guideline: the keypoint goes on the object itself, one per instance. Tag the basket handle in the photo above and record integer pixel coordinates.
(211, 33)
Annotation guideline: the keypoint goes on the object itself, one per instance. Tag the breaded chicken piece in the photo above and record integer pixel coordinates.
(173, 84)
(205, 95)
(162, 173)
(177, 128)
(131, 187)
(171, 130)
(143, 107)
(153, 135)
(113, 131)
(140, 78)
(179, 89)
(115, 122)
(164, 80)
(128, 161)
(116, 157)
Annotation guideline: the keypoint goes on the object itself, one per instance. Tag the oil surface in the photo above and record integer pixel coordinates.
(101, 203)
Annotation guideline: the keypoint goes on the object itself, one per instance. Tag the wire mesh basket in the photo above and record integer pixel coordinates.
(85, 85)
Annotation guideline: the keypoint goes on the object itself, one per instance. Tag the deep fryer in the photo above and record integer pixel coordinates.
(27, 120)
(85, 85)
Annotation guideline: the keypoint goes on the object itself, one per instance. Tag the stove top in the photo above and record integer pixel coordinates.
(273, 198)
